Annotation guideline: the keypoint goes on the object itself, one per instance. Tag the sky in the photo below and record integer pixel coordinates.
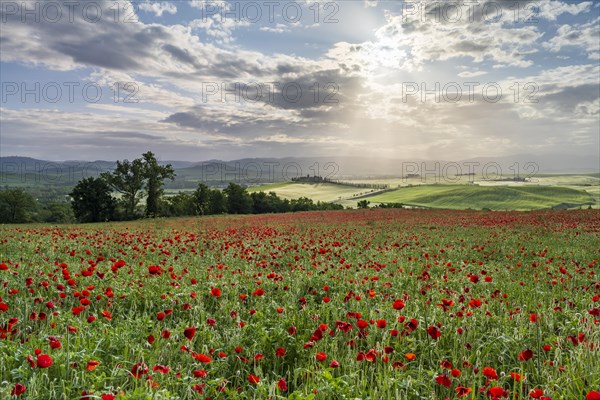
(200, 80)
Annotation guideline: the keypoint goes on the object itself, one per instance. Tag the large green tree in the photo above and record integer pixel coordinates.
(128, 179)
(180, 205)
(238, 200)
(202, 198)
(16, 206)
(92, 201)
(155, 174)
(217, 203)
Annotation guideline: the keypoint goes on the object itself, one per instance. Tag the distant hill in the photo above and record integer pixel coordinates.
(252, 171)
(486, 197)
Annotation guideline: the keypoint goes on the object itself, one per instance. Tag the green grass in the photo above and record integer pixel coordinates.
(271, 187)
(326, 192)
(480, 197)
(477, 276)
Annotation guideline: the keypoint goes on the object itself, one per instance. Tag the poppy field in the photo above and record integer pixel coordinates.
(361, 304)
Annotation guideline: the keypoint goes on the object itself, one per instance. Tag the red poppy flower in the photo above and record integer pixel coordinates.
(334, 364)
(282, 385)
(533, 318)
(91, 365)
(381, 323)
(155, 270)
(253, 379)
(362, 324)
(462, 391)
(443, 380)
(475, 303)
(398, 305)
(434, 332)
(54, 343)
(199, 388)
(215, 292)
(517, 377)
(497, 391)
(411, 325)
(490, 373)
(18, 390)
(280, 352)
(44, 361)
(371, 355)
(410, 356)
(593, 395)
(526, 355)
(108, 397)
(106, 314)
(203, 358)
(161, 368)
(138, 370)
(200, 373)
(536, 393)
(320, 356)
(189, 333)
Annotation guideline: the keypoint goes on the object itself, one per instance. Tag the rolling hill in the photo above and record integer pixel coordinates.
(488, 197)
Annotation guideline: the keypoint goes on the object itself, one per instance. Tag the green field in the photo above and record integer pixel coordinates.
(403, 304)
(326, 192)
(491, 197)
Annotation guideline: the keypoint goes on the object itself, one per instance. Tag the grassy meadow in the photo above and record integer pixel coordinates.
(368, 304)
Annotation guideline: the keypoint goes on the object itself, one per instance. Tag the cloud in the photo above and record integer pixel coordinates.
(173, 66)
(584, 36)
(279, 28)
(158, 8)
(469, 74)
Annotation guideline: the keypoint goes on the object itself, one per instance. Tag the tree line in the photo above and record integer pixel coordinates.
(94, 200)
(18, 205)
(117, 195)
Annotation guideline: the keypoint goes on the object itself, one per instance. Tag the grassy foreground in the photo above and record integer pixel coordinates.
(369, 304)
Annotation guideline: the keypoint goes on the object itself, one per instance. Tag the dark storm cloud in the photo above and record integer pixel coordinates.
(180, 54)
(567, 99)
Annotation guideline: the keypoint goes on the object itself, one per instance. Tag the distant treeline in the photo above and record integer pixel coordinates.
(116, 195)
(319, 179)
(235, 199)
(20, 206)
